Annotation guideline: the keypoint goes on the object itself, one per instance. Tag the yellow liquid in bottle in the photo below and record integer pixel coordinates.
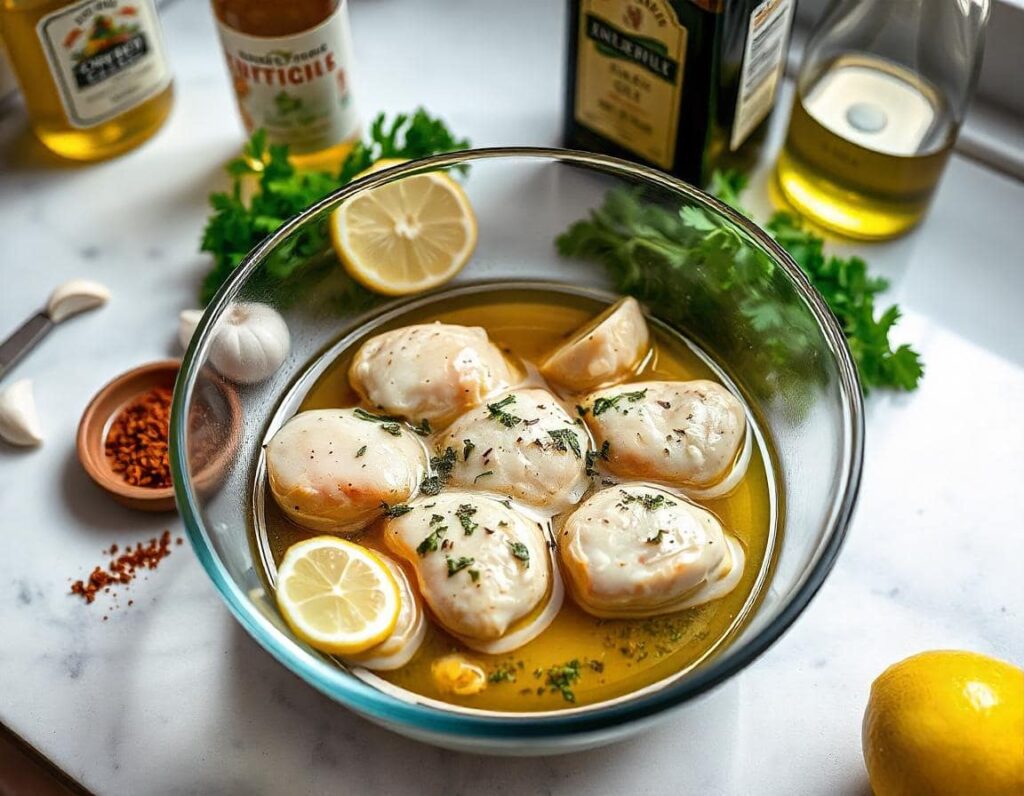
(866, 146)
(49, 118)
(288, 36)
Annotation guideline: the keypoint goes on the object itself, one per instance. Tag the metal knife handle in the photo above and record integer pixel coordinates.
(23, 339)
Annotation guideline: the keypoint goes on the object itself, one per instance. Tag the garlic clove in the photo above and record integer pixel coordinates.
(251, 343)
(188, 320)
(19, 421)
(74, 297)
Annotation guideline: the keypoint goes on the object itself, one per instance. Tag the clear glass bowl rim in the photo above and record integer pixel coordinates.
(352, 692)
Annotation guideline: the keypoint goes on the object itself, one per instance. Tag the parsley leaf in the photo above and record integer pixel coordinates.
(520, 551)
(593, 456)
(682, 262)
(395, 511)
(648, 501)
(498, 412)
(456, 565)
(370, 417)
(241, 217)
(442, 468)
(432, 541)
(565, 439)
(465, 513)
(561, 679)
(602, 405)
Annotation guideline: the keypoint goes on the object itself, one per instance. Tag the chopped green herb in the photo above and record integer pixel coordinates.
(683, 261)
(648, 501)
(241, 218)
(442, 466)
(393, 429)
(602, 405)
(561, 679)
(474, 575)
(656, 539)
(581, 410)
(395, 511)
(566, 439)
(498, 412)
(456, 565)
(370, 417)
(361, 451)
(520, 551)
(432, 541)
(465, 514)
(593, 456)
(503, 674)
(436, 519)
(423, 429)
(484, 473)
(467, 448)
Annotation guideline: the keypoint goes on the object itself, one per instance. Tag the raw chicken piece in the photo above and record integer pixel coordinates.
(690, 434)
(330, 469)
(638, 550)
(522, 444)
(484, 568)
(604, 352)
(411, 628)
(432, 371)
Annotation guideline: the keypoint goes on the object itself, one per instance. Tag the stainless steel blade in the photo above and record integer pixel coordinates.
(23, 340)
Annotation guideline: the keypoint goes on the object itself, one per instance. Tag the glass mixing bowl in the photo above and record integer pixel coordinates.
(737, 296)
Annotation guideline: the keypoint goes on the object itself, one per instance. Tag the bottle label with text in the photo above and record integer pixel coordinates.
(106, 57)
(629, 77)
(296, 87)
(767, 37)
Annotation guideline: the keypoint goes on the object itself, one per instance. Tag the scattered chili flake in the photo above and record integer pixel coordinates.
(137, 441)
(124, 569)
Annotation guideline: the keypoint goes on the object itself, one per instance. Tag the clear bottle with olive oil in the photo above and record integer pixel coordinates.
(880, 98)
(94, 73)
(683, 85)
(291, 68)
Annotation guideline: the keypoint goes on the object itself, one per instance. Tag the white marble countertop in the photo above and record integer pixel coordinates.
(170, 696)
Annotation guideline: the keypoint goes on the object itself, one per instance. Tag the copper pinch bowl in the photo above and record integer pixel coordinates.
(111, 400)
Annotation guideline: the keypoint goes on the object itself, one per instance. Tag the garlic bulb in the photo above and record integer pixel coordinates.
(19, 421)
(250, 343)
(187, 323)
(74, 297)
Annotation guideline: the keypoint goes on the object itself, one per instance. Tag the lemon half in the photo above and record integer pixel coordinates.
(337, 596)
(407, 236)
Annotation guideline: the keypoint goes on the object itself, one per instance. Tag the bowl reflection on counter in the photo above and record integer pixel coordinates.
(805, 395)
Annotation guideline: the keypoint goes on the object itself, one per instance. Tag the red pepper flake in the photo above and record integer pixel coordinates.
(123, 569)
(137, 441)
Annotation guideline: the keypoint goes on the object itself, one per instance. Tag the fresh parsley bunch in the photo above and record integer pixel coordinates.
(239, 223)
(680, 262)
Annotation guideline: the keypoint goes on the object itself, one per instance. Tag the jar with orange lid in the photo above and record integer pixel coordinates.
(291, 69)
(94, 73)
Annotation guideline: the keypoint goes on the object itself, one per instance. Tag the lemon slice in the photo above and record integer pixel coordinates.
(407, 236)
(337, 596)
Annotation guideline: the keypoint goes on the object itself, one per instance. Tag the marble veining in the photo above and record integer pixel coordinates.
(171, 696)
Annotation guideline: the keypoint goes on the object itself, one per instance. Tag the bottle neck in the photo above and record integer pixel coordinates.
(273, 17)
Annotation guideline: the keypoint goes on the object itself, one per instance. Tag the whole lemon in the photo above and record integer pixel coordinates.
(946, 722)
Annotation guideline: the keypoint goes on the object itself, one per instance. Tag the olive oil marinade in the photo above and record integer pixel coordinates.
(613, 657)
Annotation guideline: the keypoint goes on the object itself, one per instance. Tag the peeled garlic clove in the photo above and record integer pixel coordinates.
(187, 323)
(74, 297)
(251, 343)
(19, 421)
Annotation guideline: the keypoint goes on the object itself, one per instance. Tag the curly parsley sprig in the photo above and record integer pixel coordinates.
(238, 223)
(681, 262)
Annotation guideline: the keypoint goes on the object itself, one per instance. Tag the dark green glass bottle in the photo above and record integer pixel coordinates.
(683, 85)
